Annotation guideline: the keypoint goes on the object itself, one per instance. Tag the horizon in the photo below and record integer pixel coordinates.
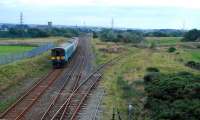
(144, 14)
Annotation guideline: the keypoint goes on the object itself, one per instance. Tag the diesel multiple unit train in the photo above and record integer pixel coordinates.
(60, 55)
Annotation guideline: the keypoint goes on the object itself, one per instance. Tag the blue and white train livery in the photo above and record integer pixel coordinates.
(60, 55)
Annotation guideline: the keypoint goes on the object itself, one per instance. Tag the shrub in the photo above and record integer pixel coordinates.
(149, 77)
(193, 64)
(153, 45)
(174, 97)
(192, 35)
(152, 69)
(171, 49)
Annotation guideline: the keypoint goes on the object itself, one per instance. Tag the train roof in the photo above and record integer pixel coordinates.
(63, 46)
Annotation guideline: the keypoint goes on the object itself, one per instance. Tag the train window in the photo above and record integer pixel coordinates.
(57, 52)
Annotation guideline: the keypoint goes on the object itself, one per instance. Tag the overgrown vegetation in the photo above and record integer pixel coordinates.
(127, 36)
(12, 73)
(123, 81)
(173, 96)
(193, 64)
(13, 77)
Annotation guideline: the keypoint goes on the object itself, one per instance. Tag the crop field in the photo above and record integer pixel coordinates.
(14, 49)
(124, 82)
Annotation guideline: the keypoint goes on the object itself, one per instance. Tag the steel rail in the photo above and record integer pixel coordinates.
(72, 73)
(31, 90)
(84, 98)
(87, 79)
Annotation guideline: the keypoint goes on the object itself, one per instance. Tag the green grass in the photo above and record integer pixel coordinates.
(35, 40)
(183, 55)
(191, 54)
(126, 77)
(163, 40)
(101, 57)
(14, 75)
(14, 49)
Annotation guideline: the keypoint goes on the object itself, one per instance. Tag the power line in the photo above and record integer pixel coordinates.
(183, 25)
(112, 23)
(21, 18)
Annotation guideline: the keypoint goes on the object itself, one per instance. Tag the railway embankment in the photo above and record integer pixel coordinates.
(124, 83)
(18, 76)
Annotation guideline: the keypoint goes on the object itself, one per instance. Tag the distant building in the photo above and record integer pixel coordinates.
(50, 24)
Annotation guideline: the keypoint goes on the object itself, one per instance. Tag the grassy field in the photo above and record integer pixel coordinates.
(15, 76)
(14, 49)
(34, 40)
(163, 40)
(123, 82)
(191, 54)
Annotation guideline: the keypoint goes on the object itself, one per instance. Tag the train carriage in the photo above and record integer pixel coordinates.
(60, 55)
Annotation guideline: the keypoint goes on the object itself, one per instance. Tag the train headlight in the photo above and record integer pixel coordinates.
(53, 58)
(58, 58)
(63, 57)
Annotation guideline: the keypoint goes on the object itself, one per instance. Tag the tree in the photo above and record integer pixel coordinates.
(121, 36)
(192, 35)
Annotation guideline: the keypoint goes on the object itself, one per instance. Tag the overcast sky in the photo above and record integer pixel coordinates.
(143, 14)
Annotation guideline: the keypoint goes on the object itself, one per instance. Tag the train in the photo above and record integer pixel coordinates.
(61, 55)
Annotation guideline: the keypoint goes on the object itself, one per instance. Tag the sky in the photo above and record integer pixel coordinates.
(141, 14)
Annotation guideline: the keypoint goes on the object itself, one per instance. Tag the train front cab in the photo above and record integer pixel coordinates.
(58, 57)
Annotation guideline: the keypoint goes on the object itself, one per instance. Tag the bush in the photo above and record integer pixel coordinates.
(192, 35)
(149, 77)
(171, 49)
(152, 69)
(174, 96)
(193, 64)
(153, 45)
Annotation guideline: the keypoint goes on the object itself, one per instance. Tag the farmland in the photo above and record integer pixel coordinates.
(163, 40)
(124, 82)
(14, 49)
(33, 40)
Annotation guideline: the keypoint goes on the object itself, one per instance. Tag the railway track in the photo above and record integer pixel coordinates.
(73, 92)
(93, 115)
(19, 108)
(74, 102)
(72, 81)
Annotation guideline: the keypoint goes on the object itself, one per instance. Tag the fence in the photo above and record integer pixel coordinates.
(4, 59)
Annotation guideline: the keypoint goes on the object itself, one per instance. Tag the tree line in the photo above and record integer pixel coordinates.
(36, 32)
(192, 36)
(110, 35)
(126, 36)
